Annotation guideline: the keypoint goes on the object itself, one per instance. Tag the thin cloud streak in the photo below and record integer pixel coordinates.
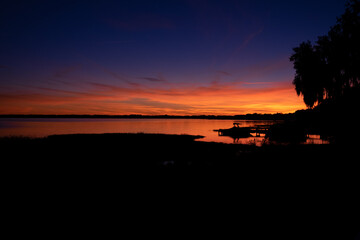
(153, 79)
(249, 38)
(66, 71)
(213, 98)
(224, 73)
(115, 75)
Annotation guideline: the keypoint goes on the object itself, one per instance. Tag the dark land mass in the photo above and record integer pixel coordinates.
(166, 151)
(335, 119)
(109, 154)
(288, 191)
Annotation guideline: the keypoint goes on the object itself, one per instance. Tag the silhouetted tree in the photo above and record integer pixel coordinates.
(307, 81)
(331, 67)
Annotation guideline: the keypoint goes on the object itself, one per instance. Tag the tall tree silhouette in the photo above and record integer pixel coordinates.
(331, 67)
(307, 81)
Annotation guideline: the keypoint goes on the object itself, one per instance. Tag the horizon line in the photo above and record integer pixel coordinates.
(202, 116)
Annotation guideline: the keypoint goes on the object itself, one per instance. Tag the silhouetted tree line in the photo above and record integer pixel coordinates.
(252, 116)
(330, 68)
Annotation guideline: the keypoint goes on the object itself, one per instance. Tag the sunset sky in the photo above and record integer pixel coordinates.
(155, 57)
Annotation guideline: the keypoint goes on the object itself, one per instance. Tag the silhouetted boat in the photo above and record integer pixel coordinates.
(236, 131)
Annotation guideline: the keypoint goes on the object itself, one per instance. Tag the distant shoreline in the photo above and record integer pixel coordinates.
(254, 116)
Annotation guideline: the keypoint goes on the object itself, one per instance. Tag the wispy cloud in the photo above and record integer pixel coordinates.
(266, 70)
(153, 79)
(115, 75)
(224, 73)
(158, 78)
(212, 98)
(67, 92)
(248, 38)
(66, 71)
(157, 104)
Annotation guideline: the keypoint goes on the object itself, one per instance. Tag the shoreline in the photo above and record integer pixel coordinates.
(252, 116)
(177, 150)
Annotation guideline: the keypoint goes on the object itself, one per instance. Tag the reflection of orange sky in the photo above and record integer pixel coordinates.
(215, 98)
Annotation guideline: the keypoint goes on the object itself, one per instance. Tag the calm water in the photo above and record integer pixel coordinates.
(204, 127)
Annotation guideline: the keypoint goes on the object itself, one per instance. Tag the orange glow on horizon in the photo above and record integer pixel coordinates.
(211, 99)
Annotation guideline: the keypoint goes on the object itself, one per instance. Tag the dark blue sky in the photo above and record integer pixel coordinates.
(67, 49)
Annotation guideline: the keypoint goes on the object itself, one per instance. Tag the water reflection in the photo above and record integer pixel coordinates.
(46, 127)
(253, 135)
(316, 139)
(204, 127)
(257, 135)
(257, 141)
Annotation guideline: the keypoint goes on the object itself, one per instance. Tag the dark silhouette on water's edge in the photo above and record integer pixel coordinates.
(252, 116)
(311, 183)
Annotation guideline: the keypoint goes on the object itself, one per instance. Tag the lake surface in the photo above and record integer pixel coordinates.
(41, 127)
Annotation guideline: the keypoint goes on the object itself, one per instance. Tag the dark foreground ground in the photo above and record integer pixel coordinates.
(160, 151)
(153, 180)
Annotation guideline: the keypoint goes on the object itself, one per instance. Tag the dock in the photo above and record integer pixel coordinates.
(262, 129)
(237, 131)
